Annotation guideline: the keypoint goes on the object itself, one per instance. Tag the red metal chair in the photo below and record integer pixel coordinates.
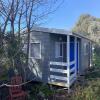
(16, 92)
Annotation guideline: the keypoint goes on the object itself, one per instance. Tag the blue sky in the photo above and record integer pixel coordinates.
(67, 15)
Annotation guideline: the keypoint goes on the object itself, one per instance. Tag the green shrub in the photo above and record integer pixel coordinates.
(96, 56)
(89, 92)
(40, 90)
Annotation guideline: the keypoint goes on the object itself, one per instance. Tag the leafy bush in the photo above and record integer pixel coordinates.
(96, 57)
(91, 89)
(96, 60)
(90, 92)
(40, 91)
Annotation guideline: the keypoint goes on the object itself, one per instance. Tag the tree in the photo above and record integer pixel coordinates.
(88, 26)
(19, 15)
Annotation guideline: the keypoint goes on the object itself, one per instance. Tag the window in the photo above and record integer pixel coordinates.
(61, 54)
(35, 50)
(60, 48)
(86, 48)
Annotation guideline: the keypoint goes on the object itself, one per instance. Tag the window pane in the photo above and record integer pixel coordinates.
(57, 49)
(86, 48)
(35, 50)
(60, 49)
(64, 52)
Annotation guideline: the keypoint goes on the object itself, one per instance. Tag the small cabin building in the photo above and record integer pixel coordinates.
(57, 56)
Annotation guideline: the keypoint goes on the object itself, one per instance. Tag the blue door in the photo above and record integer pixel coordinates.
(72, 54)
(72, 51)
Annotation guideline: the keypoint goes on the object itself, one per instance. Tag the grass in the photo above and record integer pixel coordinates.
(89, 92)
(91, 89)
(86, 89)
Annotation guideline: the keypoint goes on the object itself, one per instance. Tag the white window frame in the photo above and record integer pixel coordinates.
(56, 52)
(30, 51)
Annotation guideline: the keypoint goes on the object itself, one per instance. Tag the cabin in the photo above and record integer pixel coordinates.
(57, 56)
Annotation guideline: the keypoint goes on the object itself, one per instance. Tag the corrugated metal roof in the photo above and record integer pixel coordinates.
(52, 30)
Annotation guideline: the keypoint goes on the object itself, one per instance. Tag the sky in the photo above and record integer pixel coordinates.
(67, 15)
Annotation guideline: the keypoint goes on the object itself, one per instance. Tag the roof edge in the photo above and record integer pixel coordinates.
(58, 31)
(51, 30)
